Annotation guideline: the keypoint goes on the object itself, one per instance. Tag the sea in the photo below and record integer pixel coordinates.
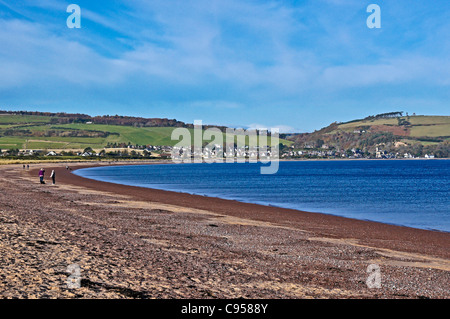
(413, 193)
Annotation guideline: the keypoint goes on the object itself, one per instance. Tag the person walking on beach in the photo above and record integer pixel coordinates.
(41, 175)
(53, 177)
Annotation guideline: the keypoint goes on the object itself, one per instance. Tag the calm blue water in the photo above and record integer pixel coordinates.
(413, 193)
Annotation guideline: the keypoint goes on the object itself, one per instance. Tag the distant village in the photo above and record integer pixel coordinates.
(328, 143)
(352, 153)
(123, 150)
(111, 151)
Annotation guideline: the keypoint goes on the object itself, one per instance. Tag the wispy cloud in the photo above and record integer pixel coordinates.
(250, 61)
(281, 128)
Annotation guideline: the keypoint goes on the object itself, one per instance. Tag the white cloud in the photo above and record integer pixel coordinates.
(39, 56)
(217, 56)
(195, 46)
(281, 128)
(399, 70)
(215, 104)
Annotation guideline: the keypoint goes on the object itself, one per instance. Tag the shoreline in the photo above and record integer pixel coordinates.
(247, 202)
(338, 226)
(163, 161)
(133, 242)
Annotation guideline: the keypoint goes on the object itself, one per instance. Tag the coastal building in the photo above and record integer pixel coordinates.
(378, 152)
(408, 155)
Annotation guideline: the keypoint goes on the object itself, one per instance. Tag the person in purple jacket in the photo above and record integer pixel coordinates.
(41, 175)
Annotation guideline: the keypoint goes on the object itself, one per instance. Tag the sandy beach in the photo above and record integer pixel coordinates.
(132, 242)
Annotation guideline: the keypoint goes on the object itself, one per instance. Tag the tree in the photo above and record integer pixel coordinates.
(417, 149)
(13, 151)
(88, 150)
(319, 143)
(349, 152)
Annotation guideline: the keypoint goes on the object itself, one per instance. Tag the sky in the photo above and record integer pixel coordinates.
(293, 65)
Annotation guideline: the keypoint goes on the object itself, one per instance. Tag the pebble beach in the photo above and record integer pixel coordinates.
(131, 242)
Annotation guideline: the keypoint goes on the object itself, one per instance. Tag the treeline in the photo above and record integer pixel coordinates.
(69, 118)
(384, 115)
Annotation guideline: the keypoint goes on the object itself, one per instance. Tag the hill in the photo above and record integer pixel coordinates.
(389, 133)
(63, 131)
(386, 135)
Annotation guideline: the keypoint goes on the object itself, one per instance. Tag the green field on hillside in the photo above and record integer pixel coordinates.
(23, 119)
(34, 132)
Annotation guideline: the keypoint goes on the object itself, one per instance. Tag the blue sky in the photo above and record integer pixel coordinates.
(296, 65)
